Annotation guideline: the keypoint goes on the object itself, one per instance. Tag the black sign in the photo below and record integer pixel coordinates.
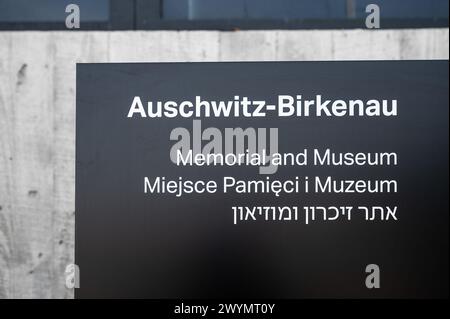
(262, 180)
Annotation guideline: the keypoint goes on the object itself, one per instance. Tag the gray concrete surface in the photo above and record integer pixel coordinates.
(37, 120)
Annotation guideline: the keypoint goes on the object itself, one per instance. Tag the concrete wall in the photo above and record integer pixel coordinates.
(37, 120)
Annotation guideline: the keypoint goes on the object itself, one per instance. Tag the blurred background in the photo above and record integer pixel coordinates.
(38, 54)
(220, 14)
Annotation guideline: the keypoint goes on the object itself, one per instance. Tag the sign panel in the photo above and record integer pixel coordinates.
(262, 180)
